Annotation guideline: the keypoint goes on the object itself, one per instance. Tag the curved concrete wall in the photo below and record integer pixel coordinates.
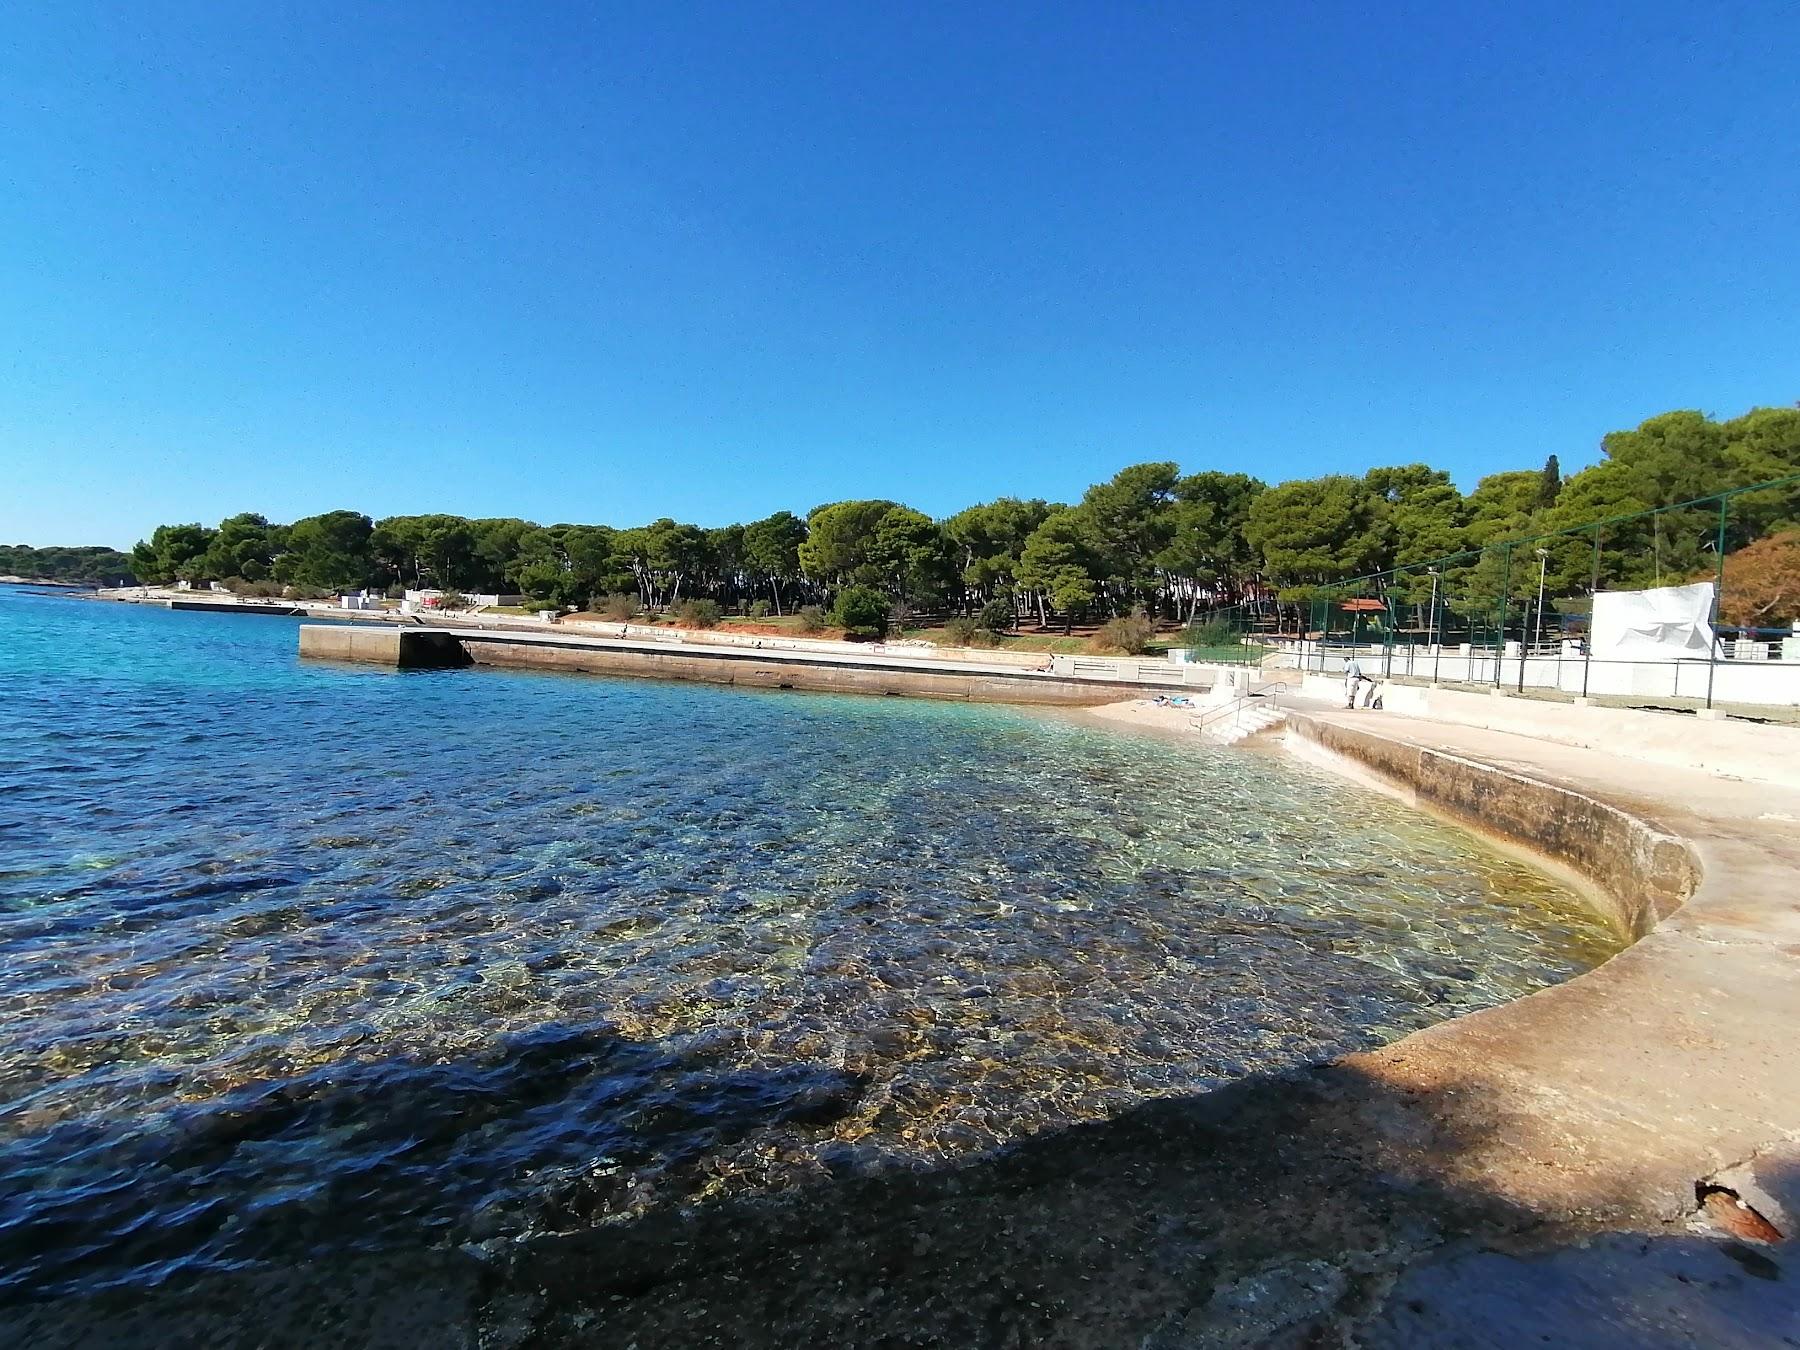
(1642, 872)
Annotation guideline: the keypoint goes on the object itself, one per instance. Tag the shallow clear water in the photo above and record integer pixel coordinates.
(296, 958)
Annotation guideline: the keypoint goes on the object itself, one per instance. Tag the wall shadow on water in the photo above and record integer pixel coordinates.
(356, 1155)
(1294, 1210)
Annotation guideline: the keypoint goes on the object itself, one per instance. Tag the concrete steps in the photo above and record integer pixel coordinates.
(1249, 719)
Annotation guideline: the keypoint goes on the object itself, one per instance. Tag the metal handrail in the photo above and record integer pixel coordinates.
(1214, 714)
(1271, 691)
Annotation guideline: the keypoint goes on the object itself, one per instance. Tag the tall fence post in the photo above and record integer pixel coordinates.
(1712, 650)
(1387, 669)
(1587, 648)
(1524, 646)
(1505, 597)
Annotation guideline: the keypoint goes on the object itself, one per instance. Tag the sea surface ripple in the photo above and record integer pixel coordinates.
(300, 958)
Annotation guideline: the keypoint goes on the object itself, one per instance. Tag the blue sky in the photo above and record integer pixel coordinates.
(606, 262)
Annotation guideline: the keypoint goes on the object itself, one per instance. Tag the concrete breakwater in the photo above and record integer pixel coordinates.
(852, 672)
(232, 607)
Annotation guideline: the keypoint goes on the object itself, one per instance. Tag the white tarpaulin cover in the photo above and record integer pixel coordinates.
(1667, 624)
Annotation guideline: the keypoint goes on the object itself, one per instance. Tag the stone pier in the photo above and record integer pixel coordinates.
(399, 648)
(853, 671)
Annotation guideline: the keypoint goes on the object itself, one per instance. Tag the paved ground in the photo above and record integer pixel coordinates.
(1755, 712)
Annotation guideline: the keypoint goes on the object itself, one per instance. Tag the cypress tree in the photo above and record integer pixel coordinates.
(1549, 483)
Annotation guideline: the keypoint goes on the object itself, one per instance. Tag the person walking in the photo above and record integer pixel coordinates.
(1353, 681)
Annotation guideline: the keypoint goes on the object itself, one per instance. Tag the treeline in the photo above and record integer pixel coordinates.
(1150, 537)
(87, 566)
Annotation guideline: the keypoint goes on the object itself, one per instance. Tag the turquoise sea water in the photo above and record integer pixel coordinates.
(299, 958)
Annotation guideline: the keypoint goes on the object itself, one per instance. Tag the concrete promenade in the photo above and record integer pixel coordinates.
(1724, 747)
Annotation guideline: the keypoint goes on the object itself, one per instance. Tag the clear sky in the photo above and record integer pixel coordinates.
(603, 262)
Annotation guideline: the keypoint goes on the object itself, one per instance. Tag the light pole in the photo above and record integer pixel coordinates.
(1431, 628)
(1543, 563)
